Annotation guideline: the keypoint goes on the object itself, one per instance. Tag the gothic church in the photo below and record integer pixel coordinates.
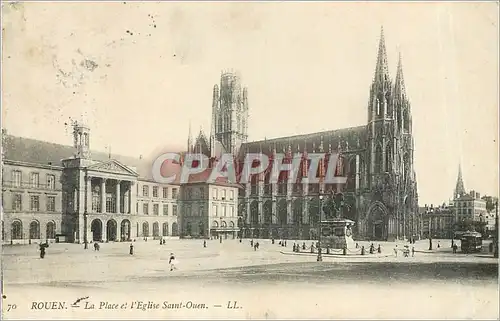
(380, 195)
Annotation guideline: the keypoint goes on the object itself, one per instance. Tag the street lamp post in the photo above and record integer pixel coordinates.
(320, 257)
(85, 214)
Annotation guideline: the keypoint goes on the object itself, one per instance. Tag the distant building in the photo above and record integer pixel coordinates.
(209, 210)
(437, 222)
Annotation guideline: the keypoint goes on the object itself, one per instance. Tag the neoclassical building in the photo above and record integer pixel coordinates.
(377, 159)
(54, 191)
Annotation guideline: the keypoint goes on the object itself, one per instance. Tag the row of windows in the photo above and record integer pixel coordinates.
(156, 209)
(145, 191)
(34, 232)
(17, 203)
(34, 182)
(471, 204)
(226, 211)
(223, 195)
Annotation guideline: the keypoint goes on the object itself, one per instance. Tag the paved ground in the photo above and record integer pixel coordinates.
(271, 282)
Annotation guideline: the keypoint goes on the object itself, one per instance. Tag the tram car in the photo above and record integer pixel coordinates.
(471, 242)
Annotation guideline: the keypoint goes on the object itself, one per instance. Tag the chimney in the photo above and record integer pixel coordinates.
(478, 196)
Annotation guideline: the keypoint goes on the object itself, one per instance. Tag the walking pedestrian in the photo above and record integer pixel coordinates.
(379, 249)
(172, 261)
(412, 251)
(204, 243)
(131, 251)
(396, 250)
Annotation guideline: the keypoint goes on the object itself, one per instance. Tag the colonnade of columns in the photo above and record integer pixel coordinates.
(122, 195)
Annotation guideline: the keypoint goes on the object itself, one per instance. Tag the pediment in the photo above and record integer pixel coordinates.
(114, 167)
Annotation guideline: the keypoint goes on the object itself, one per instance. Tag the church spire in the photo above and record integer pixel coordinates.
(381, 69)
(190, 139)
(399, 83)
(459, 189)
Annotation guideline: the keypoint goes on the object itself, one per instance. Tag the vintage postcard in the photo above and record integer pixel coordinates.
(249, 160)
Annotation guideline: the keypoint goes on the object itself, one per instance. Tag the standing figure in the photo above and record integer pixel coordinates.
(412, 251)
(396, 251)
(379, 249)
(363, 250)
(42, 249)
(439, 245)
(131, 251)
(172, 262)
(204, 243)
(251, 243)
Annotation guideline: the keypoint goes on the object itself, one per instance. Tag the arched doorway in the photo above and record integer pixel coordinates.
(34, 230)
(175, 229)
(377, 223)
(125, 229)
(51, 230)
(268, 212)
(96, 229)
(282, 212)
(165, 229)
(188, 229)
(111, 230)
(156, 229)
(145, 229)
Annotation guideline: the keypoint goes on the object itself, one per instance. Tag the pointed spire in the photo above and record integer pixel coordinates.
(190, 138)
(381, 69)
(459, 189)
(399, 83)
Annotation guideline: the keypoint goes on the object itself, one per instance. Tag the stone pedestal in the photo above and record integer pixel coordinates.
(337, 234)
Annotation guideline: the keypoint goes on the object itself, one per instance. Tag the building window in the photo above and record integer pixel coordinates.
(223, 194)
(51, 203)
(51, 182)
(34, 230)
(17, 202)
(214, 210)
(202, 193)
(231, 211)
(17, 230)
(110, 203)
(155, 191)
(174, 193)
(34, 180)
(156, 209)
(165, 192)
(51, 230)
(17, 177)
(145, 190)
(231, 195)
(214, 191)
(188, 210)
(145, 209)
(35, 203)
(165, 209)
(189, 193)
(96, 201)
(224, 209)
(174, 209)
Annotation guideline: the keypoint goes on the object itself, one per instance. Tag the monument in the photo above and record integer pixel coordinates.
(337, 233)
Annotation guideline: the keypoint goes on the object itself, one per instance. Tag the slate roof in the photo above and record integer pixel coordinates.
(39, 152)
(351, 138)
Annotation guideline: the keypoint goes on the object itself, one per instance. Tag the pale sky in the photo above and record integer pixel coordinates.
(307, 66)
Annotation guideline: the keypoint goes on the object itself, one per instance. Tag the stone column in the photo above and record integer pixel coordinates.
(133, 198)
(118, 197)
(103, 195)
(118, 231)
(104, 230)
(126, 198)
(89, 194)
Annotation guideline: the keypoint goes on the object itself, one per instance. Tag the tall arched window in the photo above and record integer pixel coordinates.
(378, 159)
(17, 230)
(406, 121)
(34, 230)
(388, 158)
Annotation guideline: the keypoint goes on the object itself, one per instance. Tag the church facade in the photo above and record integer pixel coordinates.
(380, 195)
